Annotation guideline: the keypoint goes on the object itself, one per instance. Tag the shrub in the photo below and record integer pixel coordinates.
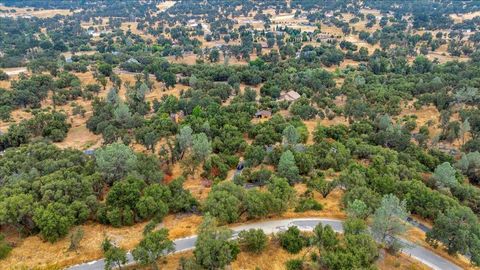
(5, 248)
(292, 240)
(294, 264)
(306, 204)
(253, 240)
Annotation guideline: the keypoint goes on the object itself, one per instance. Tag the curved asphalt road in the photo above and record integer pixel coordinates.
(417, 252)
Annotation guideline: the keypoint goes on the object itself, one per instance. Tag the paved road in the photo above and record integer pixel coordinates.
(419, 253)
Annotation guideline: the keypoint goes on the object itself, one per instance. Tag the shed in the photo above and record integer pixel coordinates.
(263, 114)
(289, 96)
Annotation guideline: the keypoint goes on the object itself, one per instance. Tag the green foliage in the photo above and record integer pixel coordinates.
(201, 147)
(154, 246)
(5, 248)
(444, 176)
(290, 135)
(225, 202)
(469, 164)
(458, 231)
(324, 236)
(181, 200)
(105, 69)
(115, 161)
(357, 252)
(294, 264)
(53, 221)
(367, 196)
(115, 257)
(354, 226)
(260, 204)
(358, 209)
(75, 239)
(224, 206)
(130, 200)
(307, 204)
(4, 76)
(287, 167)
(283, 193)
(253, 240)
(389, 221)
(52, 184)
(254, 155)
(303, 109)
(292, 240)
(214, 249)
(52, 126)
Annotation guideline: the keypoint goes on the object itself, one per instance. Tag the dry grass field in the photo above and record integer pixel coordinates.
(458, 18)
(165, 5)
(33, 253)
(30, 12)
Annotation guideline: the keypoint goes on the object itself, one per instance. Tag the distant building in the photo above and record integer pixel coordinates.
(329, 14)
(289, 96)
(324, 37)
(263, 114)
(133, 61)
(69, 60)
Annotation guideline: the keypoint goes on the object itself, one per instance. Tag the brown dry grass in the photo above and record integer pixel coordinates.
(33, 253)
(17, 116)
(458, 18)
(79, 137)
(5, 84)
(46, 13)
(332, 207)
(132, 26)
(165, 5)
(273, 257)
(14, 71)
(423, 115)
(399, 262)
